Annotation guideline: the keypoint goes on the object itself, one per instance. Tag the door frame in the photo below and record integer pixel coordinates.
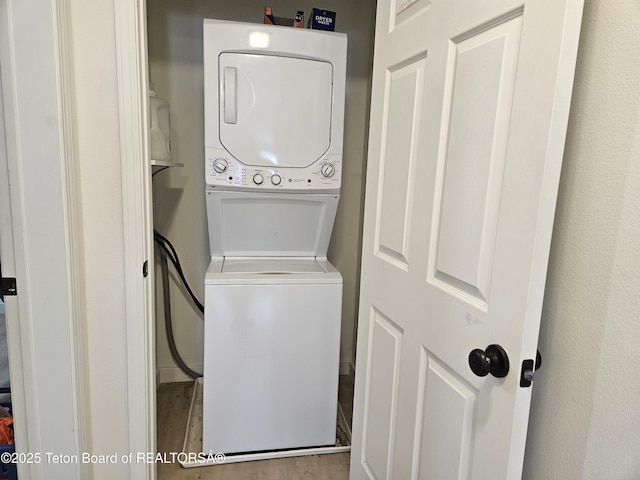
(44, 321)
(133, 98)
(22, 250)
(12, 308)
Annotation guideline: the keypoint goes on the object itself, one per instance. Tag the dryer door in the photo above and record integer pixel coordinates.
(275, 111)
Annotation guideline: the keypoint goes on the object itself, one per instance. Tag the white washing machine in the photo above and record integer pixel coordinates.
(274, 110)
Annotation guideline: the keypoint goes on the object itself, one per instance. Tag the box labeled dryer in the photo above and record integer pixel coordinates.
(322, 20)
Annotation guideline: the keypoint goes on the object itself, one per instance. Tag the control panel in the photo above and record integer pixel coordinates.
(225, 172)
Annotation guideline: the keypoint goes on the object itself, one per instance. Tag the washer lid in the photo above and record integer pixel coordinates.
(277, 266)
(271, 271)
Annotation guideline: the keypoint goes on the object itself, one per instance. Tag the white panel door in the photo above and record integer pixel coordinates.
(469, 110)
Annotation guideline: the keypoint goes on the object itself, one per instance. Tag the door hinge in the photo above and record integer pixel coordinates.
(145, 268)
(8, 287)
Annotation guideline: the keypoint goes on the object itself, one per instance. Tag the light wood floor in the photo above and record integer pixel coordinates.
(174, 400)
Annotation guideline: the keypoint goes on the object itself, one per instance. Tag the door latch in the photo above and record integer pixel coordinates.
(7, 287)
(529, 369)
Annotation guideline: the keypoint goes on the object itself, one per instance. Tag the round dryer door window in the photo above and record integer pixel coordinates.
(275, 110)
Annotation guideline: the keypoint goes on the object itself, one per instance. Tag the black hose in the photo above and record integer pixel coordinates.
(173, 256)
(167, 318)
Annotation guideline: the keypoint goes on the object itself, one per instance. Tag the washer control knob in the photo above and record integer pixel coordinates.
(328, 170)
(276, 179)
(220, 165)
(258, 179)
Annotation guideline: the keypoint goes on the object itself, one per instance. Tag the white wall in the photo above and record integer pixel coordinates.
(175, 67)
(585, 419)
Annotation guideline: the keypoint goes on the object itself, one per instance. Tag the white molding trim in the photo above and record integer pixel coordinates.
(72, 227)
(131, 61)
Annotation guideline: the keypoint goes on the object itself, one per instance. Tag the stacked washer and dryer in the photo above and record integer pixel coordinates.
(274, 114)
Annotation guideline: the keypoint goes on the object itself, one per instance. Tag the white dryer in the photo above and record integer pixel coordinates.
(274, 109)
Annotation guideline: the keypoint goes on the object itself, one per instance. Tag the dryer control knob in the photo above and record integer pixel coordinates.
(258, 179)
(328, 170)
(276, 179)
(220, 165)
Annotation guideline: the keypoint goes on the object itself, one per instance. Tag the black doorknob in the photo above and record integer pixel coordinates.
(493, 360)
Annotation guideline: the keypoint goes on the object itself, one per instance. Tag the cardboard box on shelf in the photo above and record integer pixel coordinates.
(271, 19)
(322, 20)
(268, 16)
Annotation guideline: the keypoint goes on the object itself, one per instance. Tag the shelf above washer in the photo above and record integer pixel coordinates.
(165, 163)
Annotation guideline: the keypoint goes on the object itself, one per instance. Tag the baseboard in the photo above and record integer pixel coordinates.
(174, 374)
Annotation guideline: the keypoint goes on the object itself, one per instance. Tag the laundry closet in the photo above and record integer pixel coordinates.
(176, 75)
